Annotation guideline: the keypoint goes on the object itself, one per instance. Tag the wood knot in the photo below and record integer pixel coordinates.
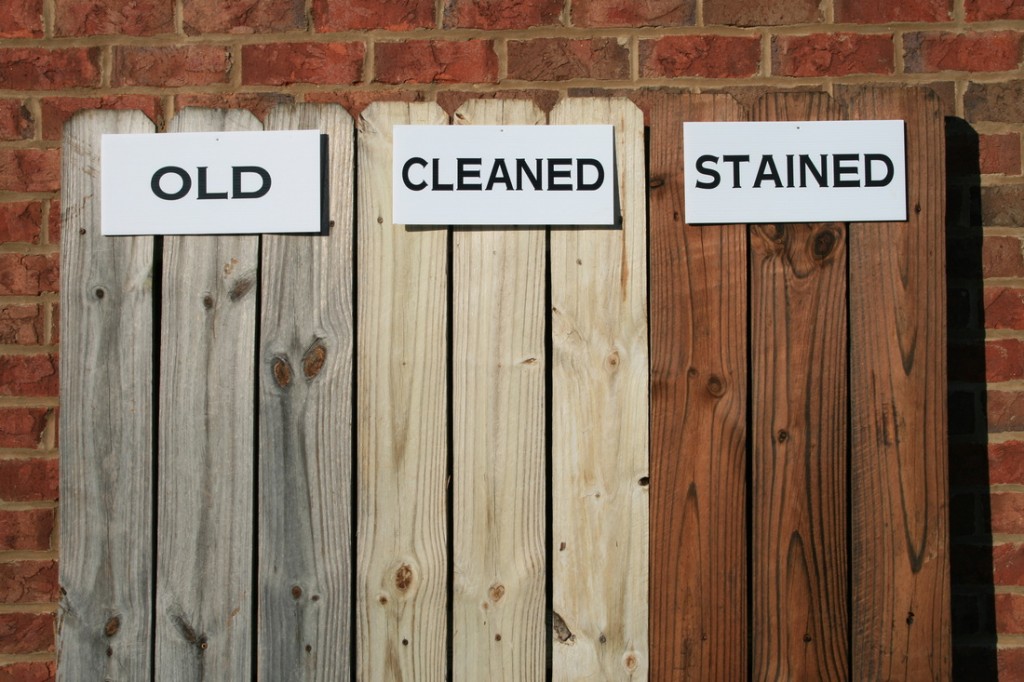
(112, 627)
(644, 481)
(496, 592)
(562, 632)
(824, 244)
(656, 182)
(497, 638)
(282, 372)
(807, 639)
(716, 387)
(613, 359)
(403, 577)
(207, 301)
(910, 617)
(782, 436)
(602, 639)
(243, 286)
(314, 359)
(630, 662)
(296, 591)
(99, 292)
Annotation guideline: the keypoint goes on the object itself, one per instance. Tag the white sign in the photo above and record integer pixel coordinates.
(799, 171)
(503, 175)
(211, 183)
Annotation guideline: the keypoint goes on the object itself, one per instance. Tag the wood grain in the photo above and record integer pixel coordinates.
(205, 508)
(402, 566)
(599, 486)
(799, 435)
(305, 468)
(106, 422)
(900, 593)
(698, 417)
(498, 364)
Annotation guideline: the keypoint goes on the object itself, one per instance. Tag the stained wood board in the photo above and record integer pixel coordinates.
(106, 422)
(599, 485)
(699, 378)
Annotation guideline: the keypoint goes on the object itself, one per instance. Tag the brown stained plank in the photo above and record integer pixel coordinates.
(799, 436)
(698, 295)
(900, 567)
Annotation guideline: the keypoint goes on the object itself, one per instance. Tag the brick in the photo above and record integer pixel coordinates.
(22, 427)
(355, 101)
(1002, 206)
(27, 275)
(1007, 512)
(28, 582)
(1008, 564)
(561, 59)
(15, 120)
(1005, 411)
(1002, 257)
(57, 110)
(999, 153)
(44, 671)
(972, 51)
(427, 61)
(32, 68)
(28, 375)
(1005, 462)
(53, 227)
(774, 13)
(999, 102)
(28, 480)
(30, 170)
(170, 66)
(26, 633)
(21, 325)
(1004, 360)
(22, 19)
(832, 54)
(390, 15)
(1009, 663)
(701, 56)
(502, 14)
(1003, 307)
(55, 332)
(20, 222)
(599, 13)
(242, 16)
(113, 17)
(886, 11)
(27, 530)
(993, 10)
(318, 63)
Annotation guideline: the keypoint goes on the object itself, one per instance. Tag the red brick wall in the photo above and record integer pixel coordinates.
(60, 56)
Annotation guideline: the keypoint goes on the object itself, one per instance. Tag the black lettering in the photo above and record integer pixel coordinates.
(496, 177)
(736, 161)
(839, 170)
(869, 180)
(789, 170)
(821, 175)
(554, 172)
(415, 187)
(702, 168)
(767, 171)
(463, 173)
(236, 182)
(203, 193)
(535, 177)
(437, 185)
(588, 186)
(186, 183)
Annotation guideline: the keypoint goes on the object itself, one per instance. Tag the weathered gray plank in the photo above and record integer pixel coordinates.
(498, 402)
(305, 467)
(599, 421)
(205, 505)
(401, 368)
(106, 422)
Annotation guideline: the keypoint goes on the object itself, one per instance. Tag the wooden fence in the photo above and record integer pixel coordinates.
(389, 452)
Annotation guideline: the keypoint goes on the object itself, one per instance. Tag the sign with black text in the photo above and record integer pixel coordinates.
(794, 172)
(211, 183)
(503, 175)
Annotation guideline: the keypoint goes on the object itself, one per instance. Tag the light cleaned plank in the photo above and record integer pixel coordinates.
(498, 364)
(698, 417)
(599, 399)
(799, 435)
(305, 468)
(205, 517)
(900, 593)
(402, 413)
(106, 422)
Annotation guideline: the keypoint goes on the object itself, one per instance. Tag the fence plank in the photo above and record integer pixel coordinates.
(599, 421)
(901, 617)
(401, 371)
(698, 417)
(106, 430)
(798, 355)
(205, 513)
(305, 469)
(498, 362)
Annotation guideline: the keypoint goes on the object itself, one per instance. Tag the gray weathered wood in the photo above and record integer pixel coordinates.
(498, 363)
(205, 505)
(305, 450)
(106, 430)
(599, 407)
(401, 400)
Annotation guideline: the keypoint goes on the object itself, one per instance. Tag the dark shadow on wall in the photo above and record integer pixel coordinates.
(971, 574)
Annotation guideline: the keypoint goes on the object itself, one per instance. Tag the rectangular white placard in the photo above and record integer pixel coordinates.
(794, 172)
(211, 183)
(504, 175)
